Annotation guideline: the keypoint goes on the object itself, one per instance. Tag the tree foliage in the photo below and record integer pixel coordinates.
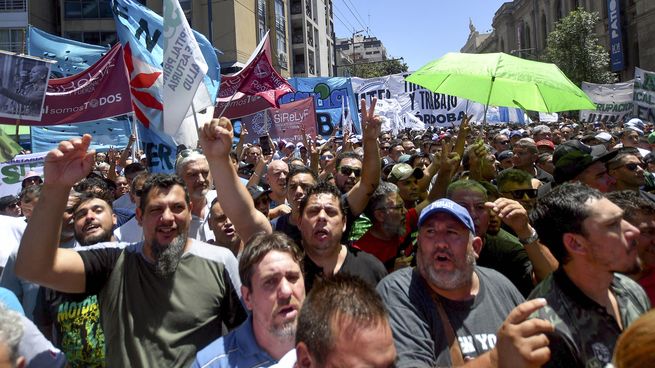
(573, 46)
(378, 69)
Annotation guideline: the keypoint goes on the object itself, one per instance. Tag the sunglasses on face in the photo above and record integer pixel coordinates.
(327, 157)
(503, 142)
(345, 170)
(521, 193)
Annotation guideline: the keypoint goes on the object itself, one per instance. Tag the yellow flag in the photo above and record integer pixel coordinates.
(8, 147)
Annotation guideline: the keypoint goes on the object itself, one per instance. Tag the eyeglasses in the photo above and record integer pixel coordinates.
(521, 193)
(327, 157)
(12, 205)
(503, 142)
(346, 170)
(188, 151)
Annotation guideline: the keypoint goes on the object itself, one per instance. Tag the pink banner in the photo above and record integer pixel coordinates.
(289, 118)
(100, 92)
(283, 123)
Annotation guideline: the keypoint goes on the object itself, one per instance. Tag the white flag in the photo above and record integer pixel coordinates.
(184, 69)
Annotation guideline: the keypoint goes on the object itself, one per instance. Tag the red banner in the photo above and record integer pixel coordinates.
(257, 78)
(100, 92)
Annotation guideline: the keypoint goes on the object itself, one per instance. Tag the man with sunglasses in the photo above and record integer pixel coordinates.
(517, 185)
(500, 143)
(9, 206)
(627, 169)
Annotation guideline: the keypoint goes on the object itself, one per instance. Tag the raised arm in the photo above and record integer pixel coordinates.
(359, 195)
(40, 259)
(216, 141)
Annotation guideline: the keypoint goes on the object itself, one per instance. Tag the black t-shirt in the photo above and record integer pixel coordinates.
(357, 263)
(543, 176)
(283, 225)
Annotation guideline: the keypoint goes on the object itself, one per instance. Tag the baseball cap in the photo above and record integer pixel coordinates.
(605, 137)
(404, 158)
(256, 191)
(447, 206)
(572, 157)
(401, 172)
(505, 155)
(516, 133)
(636, 122)
(546, 143)
(7, 201)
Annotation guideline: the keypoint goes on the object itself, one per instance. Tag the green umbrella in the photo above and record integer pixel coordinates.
(502, 80)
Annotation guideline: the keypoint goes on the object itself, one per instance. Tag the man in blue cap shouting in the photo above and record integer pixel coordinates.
(448, 310)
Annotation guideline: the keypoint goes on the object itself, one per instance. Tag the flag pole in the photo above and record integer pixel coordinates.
(230, 100)
(135, 131)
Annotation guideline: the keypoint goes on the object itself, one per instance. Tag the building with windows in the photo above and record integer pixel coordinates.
(521, 28)
(312, 38)
(15, 15)
(235, 27)
(359, 49)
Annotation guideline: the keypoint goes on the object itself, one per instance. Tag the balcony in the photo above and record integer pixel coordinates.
(13, 6)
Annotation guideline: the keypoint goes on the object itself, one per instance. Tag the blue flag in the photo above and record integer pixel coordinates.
(140, 31)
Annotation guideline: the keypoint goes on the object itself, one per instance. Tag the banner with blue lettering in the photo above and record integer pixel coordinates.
(330, 94)
(159, 148)
(73, 57)
(616, 36)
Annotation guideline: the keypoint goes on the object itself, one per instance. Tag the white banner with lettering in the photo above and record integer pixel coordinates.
(613, 102)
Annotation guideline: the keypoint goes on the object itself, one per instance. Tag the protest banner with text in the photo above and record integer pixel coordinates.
(102, 91)
(613, 102)
(13, 172)
(644, 95)
(331, 96)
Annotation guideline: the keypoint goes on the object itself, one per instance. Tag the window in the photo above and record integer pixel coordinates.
(13, 5)
(262, 27)
(86, 9)
(11, 39)
(95, 38)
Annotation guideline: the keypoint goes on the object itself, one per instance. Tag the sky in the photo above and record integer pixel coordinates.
(417, 30)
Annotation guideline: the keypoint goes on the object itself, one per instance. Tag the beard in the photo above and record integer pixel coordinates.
(94, 239)
(394, 228)
(448, 280)
(167, 257)
(284, 330)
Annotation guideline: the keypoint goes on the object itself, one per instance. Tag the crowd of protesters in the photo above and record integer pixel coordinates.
(475, 245)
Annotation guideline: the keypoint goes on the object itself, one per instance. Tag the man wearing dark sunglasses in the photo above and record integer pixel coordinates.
(517, 185)
(500, 143)
(628, 171)
(9, 206)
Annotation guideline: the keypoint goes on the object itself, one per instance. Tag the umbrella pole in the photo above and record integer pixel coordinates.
(486, 106)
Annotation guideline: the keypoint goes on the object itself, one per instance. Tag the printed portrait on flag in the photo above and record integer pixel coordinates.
(23, 83)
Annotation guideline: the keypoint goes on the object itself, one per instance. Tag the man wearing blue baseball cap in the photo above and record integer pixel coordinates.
(448, 310)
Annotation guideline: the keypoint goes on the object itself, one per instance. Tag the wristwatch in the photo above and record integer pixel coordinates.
(530, 239)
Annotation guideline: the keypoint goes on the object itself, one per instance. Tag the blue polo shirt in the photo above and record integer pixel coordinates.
(238, 349)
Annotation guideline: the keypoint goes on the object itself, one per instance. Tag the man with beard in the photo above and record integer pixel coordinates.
(273, 290)
(192, 167)
(386, 239)
(589, 301)
(161, 300)
(640, 212)
(447, 309)
(519, 258)
(76, 317)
